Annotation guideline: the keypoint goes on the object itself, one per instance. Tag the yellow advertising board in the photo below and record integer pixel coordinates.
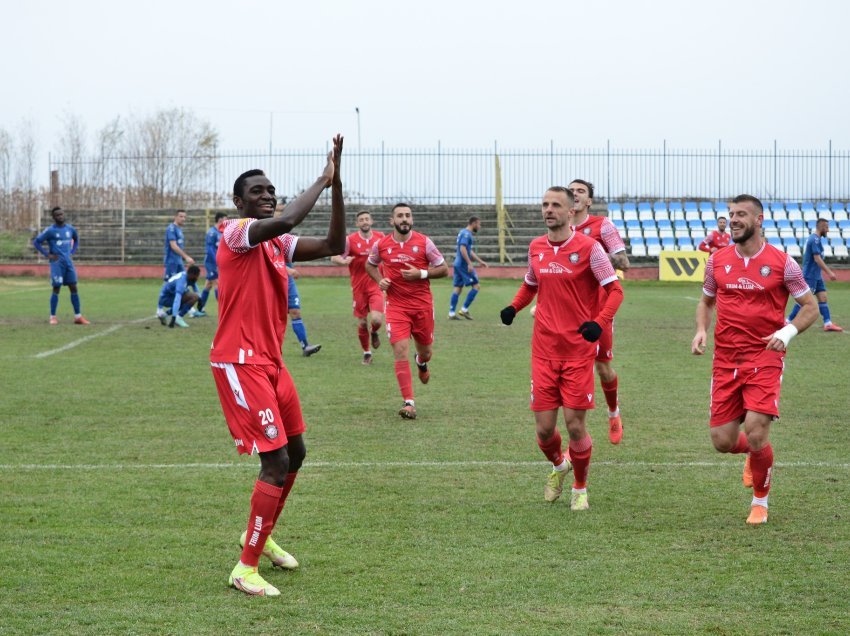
(687, 266)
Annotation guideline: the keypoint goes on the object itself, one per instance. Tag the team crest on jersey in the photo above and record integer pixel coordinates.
(765, 270)
(359, 245)
(271, 431)
(586, 230)
(415, 249)
(727, 268)
(574, 258)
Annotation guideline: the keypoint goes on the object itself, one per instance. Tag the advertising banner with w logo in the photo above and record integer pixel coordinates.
(689, 266)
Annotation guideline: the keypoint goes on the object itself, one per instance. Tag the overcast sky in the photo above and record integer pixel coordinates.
(464, 73)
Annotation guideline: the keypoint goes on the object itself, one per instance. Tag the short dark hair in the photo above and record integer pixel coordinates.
(822, 220)
(722, 217)
(566, 191)
(219, 216)
(53, 211)
(193, 269)
(361, 213)
(472, 220)
(586, 184)
(749, 198)
(239, 184)
(399, 205)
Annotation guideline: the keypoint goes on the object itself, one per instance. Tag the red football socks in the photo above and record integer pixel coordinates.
(363, 336)
(552, 448)
(287, 486)
(610, 391)
(405, 379)
(742, 445)
(264, 503)
(580, 452)
(761, 463)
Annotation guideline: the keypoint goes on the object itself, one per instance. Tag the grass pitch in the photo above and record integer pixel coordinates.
(123, 497)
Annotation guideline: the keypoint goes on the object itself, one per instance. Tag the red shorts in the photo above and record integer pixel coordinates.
(605, 353)
(557, 383)
(367, 299)
(402, 324)
(260, 404)
(735, 391)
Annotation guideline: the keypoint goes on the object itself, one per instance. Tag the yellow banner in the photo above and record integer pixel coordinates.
(689, 266)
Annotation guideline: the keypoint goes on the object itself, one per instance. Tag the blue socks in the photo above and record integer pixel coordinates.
(794, 312)
(469, 298)
(453, 302)
(75, 301)
(184, 309)
(824, 312)
(204, 296)
(300, 332)
(54, 303)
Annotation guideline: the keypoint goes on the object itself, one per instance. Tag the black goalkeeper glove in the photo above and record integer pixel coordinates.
(171, 322)
(508, 314)
(590, 331)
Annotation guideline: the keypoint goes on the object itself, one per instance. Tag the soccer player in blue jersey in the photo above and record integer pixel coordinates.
(813, 265)
(212, 240)
(464, 269)
(174, 243)
(177, 296)
(294, 306)
(62, 242)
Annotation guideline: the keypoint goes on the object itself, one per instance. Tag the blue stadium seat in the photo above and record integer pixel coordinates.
(844, 225)
(633, 224)
(614, 207)
(694, 224)
(783, 224)
(653, 240)
(822, 208)
(837, 207)
(776, 242)
(706, 206)
(685, 244)
(629, 206)
(644, 206)
(798, 224)
(664, 224)
(620, 225)
(769, 224)
(721, 208)
(795, 207)
(777, 206)
(710, 226)
(698, 238)
(676, 209)
(668, 243)
(680, 224)
(660, 206)
(806, 206)
(691, 206)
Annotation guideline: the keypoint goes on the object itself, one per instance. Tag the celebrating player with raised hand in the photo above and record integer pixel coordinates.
(749, 287)
(409, 260)
(257, 394)
(566, 269)
(368, 298)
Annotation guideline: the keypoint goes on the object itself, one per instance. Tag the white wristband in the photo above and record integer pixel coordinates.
(786, 333)
(423, 273)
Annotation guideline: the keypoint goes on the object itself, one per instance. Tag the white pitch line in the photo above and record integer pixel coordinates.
(399, 464)
(79, 341)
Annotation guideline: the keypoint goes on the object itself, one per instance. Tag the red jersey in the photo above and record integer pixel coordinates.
(601, 230)
(252, 292)
(360, 248)
(567, 278)
(715, 239)
(751, 294)
(417, 251)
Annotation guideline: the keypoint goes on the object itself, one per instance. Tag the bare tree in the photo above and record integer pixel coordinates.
(72, 147)
(169, 154)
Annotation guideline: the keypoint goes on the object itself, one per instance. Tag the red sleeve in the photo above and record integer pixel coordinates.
(612, 303)
(705, 246)
(523, 297)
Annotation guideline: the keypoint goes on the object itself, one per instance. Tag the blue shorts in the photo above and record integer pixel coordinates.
(464, 278)
(171, 268)
(211, 269)
(293, 300)
(816, 285)
(62, 272)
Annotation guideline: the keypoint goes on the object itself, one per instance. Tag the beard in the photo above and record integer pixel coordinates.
(403, 229)
(745, 236)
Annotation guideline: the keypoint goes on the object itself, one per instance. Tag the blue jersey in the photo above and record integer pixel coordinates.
(811, 270)
(172, 291)
(212, 241)
(62, 240)
(173, 233)
(464, 237)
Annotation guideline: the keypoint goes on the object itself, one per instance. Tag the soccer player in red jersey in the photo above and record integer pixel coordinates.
(409, 260)
(257, 395)
(716, 238)
(566, 269)
(368, 298)
(749, 287)
(600, 229)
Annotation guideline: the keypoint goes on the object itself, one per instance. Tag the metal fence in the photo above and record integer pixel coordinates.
(440, 175)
